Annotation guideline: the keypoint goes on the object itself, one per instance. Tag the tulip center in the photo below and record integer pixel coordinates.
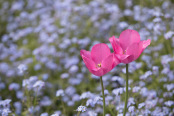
(99, 65)
(124, 52)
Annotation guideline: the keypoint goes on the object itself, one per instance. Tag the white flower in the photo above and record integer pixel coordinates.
(169, 103)
(131, 109)
(39, 84)
(60, 92)
(169, 34)
(135, 89)
(141, 105)
(92, 113)
(22, 68)
(118, 91)
(57, 113)
(81, 109)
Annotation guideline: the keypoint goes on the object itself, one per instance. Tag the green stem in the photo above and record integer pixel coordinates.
(170, 46)
(103, 95)
(35, 99)
(78, 113)
(126, 96)
(63, 106)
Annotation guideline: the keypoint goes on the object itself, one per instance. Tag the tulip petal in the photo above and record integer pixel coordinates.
(116, 61)
(108, 63)
(133, 50)
(121, 56)
(146, 43)
(127, 60)
(128, 37)
(98, 72)
(85, 53)
(89, 63)
(143, 44)
(99, 52)
(115, 45)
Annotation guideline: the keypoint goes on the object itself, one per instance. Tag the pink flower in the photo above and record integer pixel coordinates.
(128, 47)
(100, 60)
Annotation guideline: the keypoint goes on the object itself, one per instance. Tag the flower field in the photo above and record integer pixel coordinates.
(46, 69)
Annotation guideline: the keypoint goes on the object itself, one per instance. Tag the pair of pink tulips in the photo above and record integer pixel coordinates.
(127, 48)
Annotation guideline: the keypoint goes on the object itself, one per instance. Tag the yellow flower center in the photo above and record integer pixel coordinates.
(99, 65)
(124, 52)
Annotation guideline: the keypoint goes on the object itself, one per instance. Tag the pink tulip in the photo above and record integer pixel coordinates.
(100, 60)
(128, 47)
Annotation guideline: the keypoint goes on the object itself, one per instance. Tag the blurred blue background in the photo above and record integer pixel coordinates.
(42, 73)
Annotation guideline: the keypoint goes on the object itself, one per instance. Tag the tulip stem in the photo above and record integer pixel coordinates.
(103, 95)
(126, 96)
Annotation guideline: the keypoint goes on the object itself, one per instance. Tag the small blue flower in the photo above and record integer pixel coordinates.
(81, 109)
(60, 92)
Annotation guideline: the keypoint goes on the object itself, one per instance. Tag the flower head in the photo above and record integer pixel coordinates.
(81, 108)
(100, 60)
(128, 47)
